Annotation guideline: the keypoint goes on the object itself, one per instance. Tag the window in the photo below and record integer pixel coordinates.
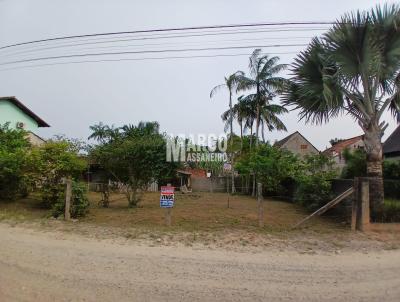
(303, 147)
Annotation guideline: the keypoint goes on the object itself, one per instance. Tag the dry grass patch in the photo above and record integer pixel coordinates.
(203, 211)
(202, 219)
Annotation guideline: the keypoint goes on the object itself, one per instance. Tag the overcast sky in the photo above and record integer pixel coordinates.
(175, 92)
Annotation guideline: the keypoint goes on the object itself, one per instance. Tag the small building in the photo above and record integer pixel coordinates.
(336, 151)
(297, 144)
(18, 116)
(391, 147)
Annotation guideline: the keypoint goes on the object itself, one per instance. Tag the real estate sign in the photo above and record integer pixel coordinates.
(167, 197)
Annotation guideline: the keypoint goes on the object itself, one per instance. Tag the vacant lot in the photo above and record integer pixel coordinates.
(203, 219)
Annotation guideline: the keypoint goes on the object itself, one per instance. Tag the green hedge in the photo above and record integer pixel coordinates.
(392, 188)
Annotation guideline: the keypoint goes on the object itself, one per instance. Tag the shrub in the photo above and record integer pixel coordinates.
(313, 192)
(51, 163)
(356, 164)
(391, 169)
(392, 188)
(271, 165)
(313, 185)
(13, 152)
(389, 213)
(79, 201)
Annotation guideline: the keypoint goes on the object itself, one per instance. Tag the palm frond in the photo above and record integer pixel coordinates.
(314, 90)
(216, 89)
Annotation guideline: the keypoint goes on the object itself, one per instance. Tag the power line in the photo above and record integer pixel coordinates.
(166, 30)
(193, 34)
(153, 44)
(147, 51)
(140, 59)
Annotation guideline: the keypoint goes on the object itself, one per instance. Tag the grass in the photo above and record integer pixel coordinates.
(26, 209)
(192, 212)
(197, 218)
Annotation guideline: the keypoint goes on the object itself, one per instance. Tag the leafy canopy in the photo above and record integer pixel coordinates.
(132, 155)
(13, 156)
(353, 69)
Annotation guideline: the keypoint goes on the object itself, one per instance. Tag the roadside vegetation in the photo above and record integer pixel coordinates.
(353, 69)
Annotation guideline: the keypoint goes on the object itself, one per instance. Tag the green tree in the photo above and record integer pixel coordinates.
(272, 166)
(230, 84)
(50, 164)
(134, 156)
(353, 69)
(13, 155)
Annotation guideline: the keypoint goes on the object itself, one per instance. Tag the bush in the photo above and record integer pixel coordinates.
(392, 188)
(356, 164)
(313, 192)
(51, 163)
(391, 169)
(390, 212)
(271, 165)
(79, 201)
(313, 185)
(13, 153)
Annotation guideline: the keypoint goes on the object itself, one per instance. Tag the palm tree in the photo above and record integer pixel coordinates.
(247, 109)
(143, 128)
(266, 84)
(240, 112)
(230, 84)
(103, 133)
(355, 69)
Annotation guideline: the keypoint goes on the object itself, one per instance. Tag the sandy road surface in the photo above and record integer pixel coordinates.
(37, 266)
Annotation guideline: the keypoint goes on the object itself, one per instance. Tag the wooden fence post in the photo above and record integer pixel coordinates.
(68, 196)
(354, 208)
(364, 212)
(168, 216)
(260, 205)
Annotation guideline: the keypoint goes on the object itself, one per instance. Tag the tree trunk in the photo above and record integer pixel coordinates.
(251, 136)
(231, 123)
(241, 135)
(253, 193)
(257, 124)
(373, 148)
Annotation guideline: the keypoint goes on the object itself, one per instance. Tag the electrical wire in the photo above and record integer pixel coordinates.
(160, 30)
(146, 52)
(100, 40)
(139, 59)
(160, 44)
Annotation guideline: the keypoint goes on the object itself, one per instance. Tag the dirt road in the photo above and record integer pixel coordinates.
(37, 266)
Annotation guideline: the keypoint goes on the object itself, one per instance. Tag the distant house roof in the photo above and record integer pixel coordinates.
(194, 172)
(392, 144)
(26, 110)
(283, 141)
(35, 139)
(340, 146)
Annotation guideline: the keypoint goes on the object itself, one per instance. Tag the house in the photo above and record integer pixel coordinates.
(297, 144)
(391, 147)
(18, 116)
(337, 149)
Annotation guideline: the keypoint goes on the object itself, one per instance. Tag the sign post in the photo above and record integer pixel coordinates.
(167, 201)
(68, 197)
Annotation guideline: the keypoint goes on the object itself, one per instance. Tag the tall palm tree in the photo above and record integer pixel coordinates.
(355, 69)
(103, 133)
(264, 82)
(248, 108)
(230, 84)
(240, 112)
